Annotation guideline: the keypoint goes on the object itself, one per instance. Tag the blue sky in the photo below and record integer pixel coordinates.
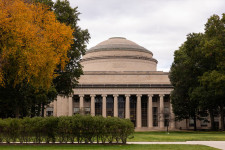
(160, 26)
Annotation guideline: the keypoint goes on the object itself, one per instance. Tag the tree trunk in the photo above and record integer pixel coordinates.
(17, 112)
(212, 120)
(222, 117)
(42, 109)
(195, 123)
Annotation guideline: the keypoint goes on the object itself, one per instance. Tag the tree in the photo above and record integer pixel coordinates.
(32, 43)
(184, 77)
(214, 51)
(32, 46)
(68, 79)
(198, 73)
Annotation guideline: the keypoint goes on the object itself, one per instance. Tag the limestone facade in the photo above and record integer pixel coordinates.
(121, 80)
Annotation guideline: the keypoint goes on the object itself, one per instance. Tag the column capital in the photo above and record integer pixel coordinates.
(127, 95)
(92, 95)
(150, 95)
(115, 95)
(104, 95)
(161, 95)
(139, 95)
(81, 95)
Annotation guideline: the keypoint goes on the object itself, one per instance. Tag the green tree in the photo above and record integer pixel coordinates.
(184, 77)
(198, 73)
(68, 78)
(214, 51)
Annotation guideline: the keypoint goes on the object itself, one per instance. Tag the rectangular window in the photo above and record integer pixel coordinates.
(155, 116)
(76, 110)
(87, 110)
(191, 122)
(204, 122)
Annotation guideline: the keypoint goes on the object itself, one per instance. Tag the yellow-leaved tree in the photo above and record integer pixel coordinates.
(32, 43)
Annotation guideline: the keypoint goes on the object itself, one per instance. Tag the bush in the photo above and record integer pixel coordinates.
(80, 128)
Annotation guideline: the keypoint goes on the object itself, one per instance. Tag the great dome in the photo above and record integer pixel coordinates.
(118, 54)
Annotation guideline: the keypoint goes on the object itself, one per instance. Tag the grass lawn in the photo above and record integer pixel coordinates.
(108, 147)
(177, 136)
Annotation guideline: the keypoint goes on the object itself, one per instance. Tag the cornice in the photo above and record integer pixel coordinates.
(125, 73)
(120, 57)
(125, 86)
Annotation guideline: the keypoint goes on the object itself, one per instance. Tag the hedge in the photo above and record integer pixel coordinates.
(79, 128)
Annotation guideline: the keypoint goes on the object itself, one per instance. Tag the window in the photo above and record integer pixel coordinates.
(109, 105)
(155, 116)
(76, 110)
(154, 98)
(191, 122)
(121, 106)
(98, 105)
(49, 111)
(144, 106)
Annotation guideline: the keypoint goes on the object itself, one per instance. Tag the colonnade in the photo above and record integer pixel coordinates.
(127, 109)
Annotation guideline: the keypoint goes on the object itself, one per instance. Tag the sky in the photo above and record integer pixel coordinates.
(160, 26)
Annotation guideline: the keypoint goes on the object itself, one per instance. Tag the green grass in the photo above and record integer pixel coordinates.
(177, 136)
(108, 147)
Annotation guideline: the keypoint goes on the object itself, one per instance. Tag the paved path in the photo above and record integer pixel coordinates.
(215, 144)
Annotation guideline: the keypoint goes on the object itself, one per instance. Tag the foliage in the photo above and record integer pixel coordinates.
(49, 62)
(32, 43)
(68, 78)
(198, 73)
(65, 129)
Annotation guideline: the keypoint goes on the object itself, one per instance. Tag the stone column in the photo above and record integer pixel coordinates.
(70, 105)
(55, 108)
(81, 103)
(115, 105)
(92, 105)
(104, 105)
(139, 111)
(161, 120)
(127, 107)
(150, 124)
(172, 118)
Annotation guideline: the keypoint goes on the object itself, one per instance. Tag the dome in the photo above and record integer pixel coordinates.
(118, 43)
(118, 54)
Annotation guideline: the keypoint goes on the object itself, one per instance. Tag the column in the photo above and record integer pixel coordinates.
(127, 107)
(55, 108)
(139, 111)
(104, 105)
(115, 105)
(150, 124)
(172, 118)
(161, 117)
(70, 105)
(81, 104)
(92, 105)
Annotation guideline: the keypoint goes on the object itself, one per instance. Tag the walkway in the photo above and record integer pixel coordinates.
(215, 144)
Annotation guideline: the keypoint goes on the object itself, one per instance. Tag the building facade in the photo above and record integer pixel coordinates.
(121, 80)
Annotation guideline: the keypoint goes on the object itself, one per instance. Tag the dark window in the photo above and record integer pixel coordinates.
(133, 106)
(87, 104)
(155, 98)
(76, 98)
(155, 116)
(121, 106)
(98, 105)
(166, 98)
(144, 105)
(109, 105)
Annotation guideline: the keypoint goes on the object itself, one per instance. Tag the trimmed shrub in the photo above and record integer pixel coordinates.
(80, 128)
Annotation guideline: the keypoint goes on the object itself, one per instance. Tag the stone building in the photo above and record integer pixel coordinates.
(121, 80)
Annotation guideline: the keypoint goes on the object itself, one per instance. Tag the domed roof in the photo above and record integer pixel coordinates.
(118, 43)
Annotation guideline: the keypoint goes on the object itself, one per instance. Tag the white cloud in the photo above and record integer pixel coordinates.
(158, 25)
